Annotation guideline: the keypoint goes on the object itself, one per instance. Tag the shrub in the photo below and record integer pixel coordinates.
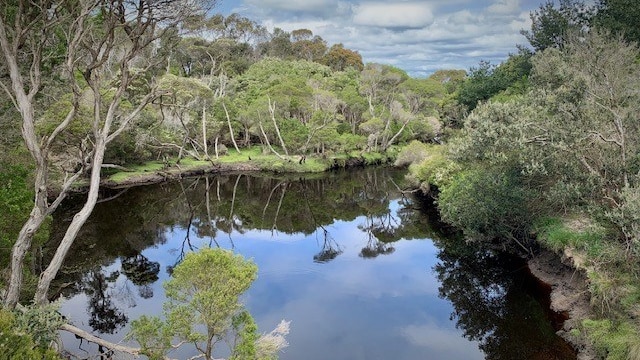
(413, 153)
(17, 342)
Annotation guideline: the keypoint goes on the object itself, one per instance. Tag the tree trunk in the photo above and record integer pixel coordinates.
(233, 138)
(216, 147)
(390, 142)
(18, 253)
(204, 133)
(266, 139)
(272, 111)
(76, 224)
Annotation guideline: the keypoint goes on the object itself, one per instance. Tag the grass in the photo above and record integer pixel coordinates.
(137, 170)
(576, 231)
(614, 341)
(613, 283)
(254, 156)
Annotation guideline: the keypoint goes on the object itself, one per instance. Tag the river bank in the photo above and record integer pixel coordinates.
(249, 160)
(569, 297)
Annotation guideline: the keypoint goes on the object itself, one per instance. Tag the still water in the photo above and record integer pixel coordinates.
(360, 269)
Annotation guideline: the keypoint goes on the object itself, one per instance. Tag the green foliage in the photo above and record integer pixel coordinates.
(626, 218)
(620, 17)
(550, 25)
(349, 142)
(613, 341)
(487, 205)
(153, 335)
(246, 336)
(16, 200)
(434, 170)
(413, 153)
(204, 292)
(486, 81)
(17, 341)
(41, 322)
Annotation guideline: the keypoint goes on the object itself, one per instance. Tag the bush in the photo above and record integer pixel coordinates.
(487, 205)
(16, 342)
(435, 170)
(413, 153)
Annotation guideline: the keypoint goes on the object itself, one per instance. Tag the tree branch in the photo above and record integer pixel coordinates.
(96, 340)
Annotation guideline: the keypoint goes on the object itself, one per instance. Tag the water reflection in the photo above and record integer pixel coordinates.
(494, 304)
(335, 257)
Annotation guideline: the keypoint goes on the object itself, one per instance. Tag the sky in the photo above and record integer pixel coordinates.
(419, 37)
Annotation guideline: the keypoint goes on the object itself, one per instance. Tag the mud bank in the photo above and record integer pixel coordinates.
(569, 296)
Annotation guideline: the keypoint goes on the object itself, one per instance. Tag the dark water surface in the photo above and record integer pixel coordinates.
(361, 271)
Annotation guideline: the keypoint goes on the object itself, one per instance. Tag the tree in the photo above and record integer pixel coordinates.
(203, 293)
(486, 80)
(589, 91)
(574, 135)
(103, 41)
(550, 25)
(620, 17)
(339, 58)
(308, 47)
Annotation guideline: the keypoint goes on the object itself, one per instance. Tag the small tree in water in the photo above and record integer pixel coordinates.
(204, 294)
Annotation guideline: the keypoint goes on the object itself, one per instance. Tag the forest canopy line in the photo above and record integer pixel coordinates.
(89, 85)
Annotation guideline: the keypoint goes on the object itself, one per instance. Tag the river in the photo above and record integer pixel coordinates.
(360, 269)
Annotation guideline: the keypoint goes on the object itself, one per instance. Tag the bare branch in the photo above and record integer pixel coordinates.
(96, 340)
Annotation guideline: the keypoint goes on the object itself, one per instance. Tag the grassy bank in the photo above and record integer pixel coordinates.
(249, 159)
(613, 283)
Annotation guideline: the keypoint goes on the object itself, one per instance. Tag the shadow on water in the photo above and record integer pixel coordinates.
(323, 230)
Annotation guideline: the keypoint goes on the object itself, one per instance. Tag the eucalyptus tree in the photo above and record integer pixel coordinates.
(339, 58)
(95, 46)
(308, 46)
(279, 96)
(388, 116)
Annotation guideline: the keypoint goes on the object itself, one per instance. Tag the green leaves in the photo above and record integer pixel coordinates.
(204, 293)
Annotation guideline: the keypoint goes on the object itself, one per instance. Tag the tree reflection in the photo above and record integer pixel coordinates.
(105, 317)
(141, 272)
(492, 296)
(204, 208)
(330, 249)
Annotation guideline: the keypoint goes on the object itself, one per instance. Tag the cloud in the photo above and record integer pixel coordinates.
(417, 36)
(286, 9)
(441, 340)
(393, 15)
(505, 7)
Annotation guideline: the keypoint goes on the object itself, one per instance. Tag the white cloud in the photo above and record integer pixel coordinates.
(447, 341)
(505, 7)
(417, 36)
(288, 5)
(393, 15)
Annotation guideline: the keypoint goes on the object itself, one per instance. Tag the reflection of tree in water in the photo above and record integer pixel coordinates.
(206, 209)
(105, 317)
(378, 227)
(493, 303)
(330, 249)
(142, 272)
